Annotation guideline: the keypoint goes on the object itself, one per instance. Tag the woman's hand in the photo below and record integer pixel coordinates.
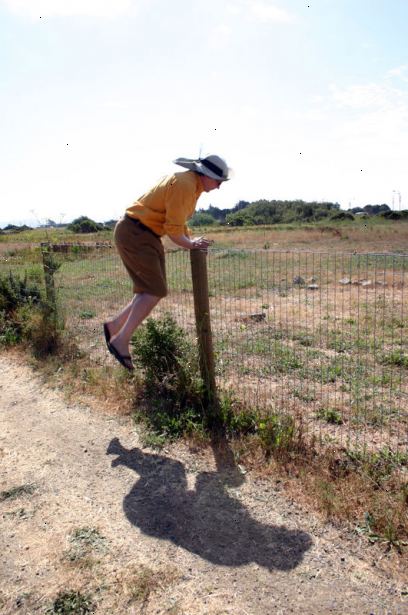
(201, 243)
(198, 243)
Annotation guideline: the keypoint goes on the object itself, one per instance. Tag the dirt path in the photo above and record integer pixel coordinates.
(166, 533)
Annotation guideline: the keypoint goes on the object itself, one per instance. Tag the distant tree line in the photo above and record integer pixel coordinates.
(371, 210)
(284, 212)
(83, 224)
(12, 228)
(265, 212)
(380, 210)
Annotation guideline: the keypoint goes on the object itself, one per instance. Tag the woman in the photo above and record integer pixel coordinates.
(163, 210)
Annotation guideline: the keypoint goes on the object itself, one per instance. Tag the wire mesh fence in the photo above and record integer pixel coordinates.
(319, 336)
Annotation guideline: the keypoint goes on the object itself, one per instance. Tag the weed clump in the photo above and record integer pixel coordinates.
(384, 526)
(141, 584)
(278, 434)
(330, 415)
(84, 541)
(235, 419)
(378, 466)
(16, 492)
(72, 603)
(396, 358)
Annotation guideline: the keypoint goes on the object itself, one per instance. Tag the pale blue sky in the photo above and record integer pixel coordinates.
(304, 100)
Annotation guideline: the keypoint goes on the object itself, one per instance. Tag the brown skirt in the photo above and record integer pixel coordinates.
(142, 253)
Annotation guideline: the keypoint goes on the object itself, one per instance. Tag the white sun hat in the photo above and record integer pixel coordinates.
(213, 166)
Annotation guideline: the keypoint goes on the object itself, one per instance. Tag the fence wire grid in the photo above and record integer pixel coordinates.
(319, 336)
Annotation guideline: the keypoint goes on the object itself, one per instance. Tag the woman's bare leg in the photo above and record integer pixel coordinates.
(115, 325)
(129, 319)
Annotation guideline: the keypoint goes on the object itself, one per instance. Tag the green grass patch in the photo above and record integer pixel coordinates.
(304, 395)
(329, 373)
(280, 357)
(373, 414)
(339, 341)
(304, 339)
(88, 537)
(378, 466)
(233, 254)
(141, 583)
(87, 314)
(330, 415)
(395, 359)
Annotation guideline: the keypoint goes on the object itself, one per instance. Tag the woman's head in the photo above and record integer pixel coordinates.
(209, 183)
(211, 167)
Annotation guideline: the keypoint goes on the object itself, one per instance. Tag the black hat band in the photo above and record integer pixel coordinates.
(212, 167)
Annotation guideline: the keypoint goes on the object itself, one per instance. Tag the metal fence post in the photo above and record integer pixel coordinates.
(198, 260)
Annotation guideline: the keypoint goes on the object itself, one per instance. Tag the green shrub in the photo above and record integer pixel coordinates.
(164, 352)
(173, 386)
(18, 297)
(392, 215)
(174, 391)
(83, 224)
(10, 334)
(25, 314)
(15, 292)
(35, 274)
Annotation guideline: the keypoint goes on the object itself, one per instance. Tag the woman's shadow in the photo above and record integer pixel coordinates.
(206, 520)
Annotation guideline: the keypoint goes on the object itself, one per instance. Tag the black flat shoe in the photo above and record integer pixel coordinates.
(124, 359)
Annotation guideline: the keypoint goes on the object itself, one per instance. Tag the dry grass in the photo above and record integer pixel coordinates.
(105, 388)
(364, 236)
(139, 584)
(369, 496)
(368, 235)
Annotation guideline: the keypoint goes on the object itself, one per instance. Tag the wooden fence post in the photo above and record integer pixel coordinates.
(199, 274)
(49, 269)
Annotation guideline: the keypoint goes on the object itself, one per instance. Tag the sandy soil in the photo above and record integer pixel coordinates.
(177, 532)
